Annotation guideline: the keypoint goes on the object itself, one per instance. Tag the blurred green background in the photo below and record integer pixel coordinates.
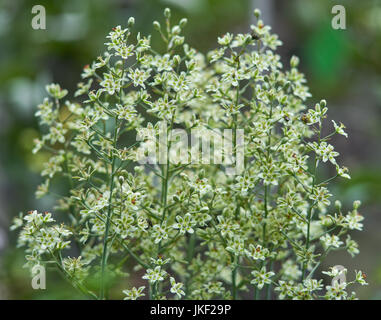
(342, 66)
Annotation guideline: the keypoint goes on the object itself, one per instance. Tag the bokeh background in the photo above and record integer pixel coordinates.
(342, 66)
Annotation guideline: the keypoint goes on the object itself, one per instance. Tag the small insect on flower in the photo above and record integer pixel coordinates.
(305, 118)
(255, 36)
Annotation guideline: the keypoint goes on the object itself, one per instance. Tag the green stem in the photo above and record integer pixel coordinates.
(164, 185)
(234, 279)
(268, 289)
(190, 254)
(108, 218)
(257, 293)
(309, 214)
(76, 284)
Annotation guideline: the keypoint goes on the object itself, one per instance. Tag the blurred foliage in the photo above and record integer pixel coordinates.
(342, 66)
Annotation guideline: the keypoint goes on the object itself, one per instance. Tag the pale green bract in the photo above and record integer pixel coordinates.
(191, 231)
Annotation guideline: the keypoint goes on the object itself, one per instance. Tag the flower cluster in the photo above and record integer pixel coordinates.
(192, 230)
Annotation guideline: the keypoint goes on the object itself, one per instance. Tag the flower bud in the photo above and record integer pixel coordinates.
(257, 13)
(138, 169)
(294, 62)
(323, 103)
(178, 41)
(176, 30)
(356, 204)
(287, 85)
(190, 65)
(183, 22)
(338, 205)
(176, 60)
(131, 21)
(156, 25)
(167, 13)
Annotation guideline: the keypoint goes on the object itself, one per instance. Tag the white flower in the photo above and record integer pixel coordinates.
(159, 261)
(360, 278)
(57, 134)
(75, 267)
(225, 39)
(143, 43)
(33, 217)
(164, 107)
(352, 220)
(216, 54)
(226, 226)
(201, 185)
(125, 51)
(331, 241)
(316, 116)
(325, 151)
(162, 63)
(313, 284)
(342, 172)
(285, 289)
(134, 293)
(257, 252)
(340, 129)
(244, 183)
(261, 277)
(176, 288)
(55, 91)
(336, 291)
(184, 224)
(159, 232)
(38, 144)
(17, 222)
(111, 84)
(241, 39)
(236, 246)
(125, 112)
(154, 275)
(321, 194)
(139, 77)
(46, 112)
(352, 246)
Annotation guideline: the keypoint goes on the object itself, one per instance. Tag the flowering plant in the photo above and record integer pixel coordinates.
(191, 229)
